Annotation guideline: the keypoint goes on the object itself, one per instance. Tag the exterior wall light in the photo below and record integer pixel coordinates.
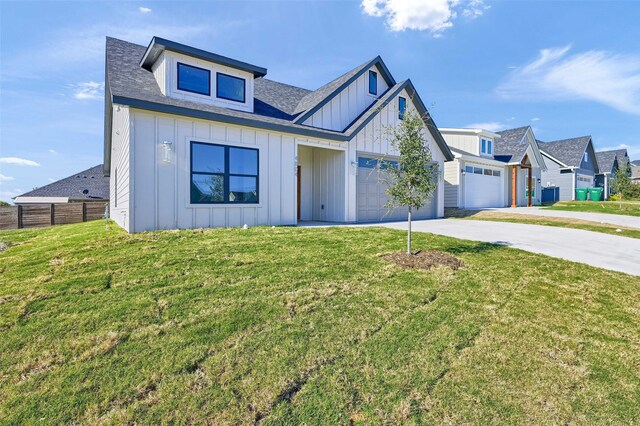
(166, 151)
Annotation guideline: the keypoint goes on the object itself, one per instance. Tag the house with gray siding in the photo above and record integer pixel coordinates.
(571, 164)
(194, 139)
(607, 167)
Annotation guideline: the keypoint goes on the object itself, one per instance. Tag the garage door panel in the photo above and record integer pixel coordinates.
(371, 197)
(483, 190)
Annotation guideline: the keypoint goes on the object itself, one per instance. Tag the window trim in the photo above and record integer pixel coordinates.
(375, 79)
(401, 110)
(193, 91)
(225, 175)
(244, 88)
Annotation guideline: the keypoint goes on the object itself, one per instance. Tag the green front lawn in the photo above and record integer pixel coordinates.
(293, 326)
(612, 207)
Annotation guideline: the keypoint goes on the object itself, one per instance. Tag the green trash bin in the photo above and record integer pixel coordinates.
(581, 194)
(595, 194)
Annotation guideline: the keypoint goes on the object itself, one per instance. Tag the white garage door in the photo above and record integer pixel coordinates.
(371, 197)
(483, 187)
(584, 181)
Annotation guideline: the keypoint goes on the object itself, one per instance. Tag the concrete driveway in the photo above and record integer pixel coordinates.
(613, 219)
(611, 252)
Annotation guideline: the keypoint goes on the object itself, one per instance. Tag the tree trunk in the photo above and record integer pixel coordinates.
(409, 233)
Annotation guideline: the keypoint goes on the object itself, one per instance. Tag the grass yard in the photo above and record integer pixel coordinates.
(293, 326)
(612, 207)
(561, 222)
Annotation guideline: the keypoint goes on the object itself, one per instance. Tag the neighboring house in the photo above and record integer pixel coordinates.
(571, 164)
(607, 167)
(635, 171)
(194, 139)
(88, 185)
(492, 169)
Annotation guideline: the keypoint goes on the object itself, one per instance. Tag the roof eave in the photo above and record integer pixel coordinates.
(158, 45)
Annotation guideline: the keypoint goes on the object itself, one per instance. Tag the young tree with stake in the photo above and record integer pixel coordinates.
(413, 180)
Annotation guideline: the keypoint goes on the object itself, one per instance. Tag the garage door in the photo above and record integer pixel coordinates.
(584, 181)
(483, 187)
(371, 197)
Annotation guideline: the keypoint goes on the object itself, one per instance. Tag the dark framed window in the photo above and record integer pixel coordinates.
(496, 173)
(488, 172)
(402, 106)
(484, 146)
(373, 82)
(468, 169)
(223, 174)
(489, 146)
(193, 79)
(230, 87)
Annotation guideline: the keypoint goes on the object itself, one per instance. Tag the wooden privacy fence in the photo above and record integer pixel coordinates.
(35, 215)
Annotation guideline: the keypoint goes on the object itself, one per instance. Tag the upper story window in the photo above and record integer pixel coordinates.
(486, 146)
(223, 174)
(586, 157)
(194, 79)
(402, 107)
(230, 87)
(373, 82)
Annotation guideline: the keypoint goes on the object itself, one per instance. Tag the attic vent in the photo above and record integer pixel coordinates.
(85, 191)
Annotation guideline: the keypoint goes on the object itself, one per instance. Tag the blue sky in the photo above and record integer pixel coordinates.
(565, 68)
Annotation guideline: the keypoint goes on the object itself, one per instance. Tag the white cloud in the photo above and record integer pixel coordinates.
(4, 178)
(144, 9)
(89, 90)
(534, 119)
(53, 151)
(556, 74)
(474, 9)
(491, 126)
(51, 179)
(434, 16)
(18, 161)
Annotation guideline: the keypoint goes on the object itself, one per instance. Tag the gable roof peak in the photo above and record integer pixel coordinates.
(321, 96)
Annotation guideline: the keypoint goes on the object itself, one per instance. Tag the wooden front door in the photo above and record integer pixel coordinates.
(299, 180)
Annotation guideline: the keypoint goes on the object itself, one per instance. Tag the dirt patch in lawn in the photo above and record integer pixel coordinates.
(4, 246)
(424, 259)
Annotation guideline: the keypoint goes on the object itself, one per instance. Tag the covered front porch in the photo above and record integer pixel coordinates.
(523, 184)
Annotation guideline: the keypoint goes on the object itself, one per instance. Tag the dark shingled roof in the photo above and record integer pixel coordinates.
(511, 147)
(569, 151)
(276, 105)
(622, 156)
(92, 180)
(128, 80)
(606, 160)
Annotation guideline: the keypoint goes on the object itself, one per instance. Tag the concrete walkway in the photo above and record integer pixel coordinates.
(613, 219)
(611, 252)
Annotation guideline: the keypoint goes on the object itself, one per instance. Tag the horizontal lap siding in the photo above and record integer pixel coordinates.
(553, 177)
(451, 183)
(162, 189)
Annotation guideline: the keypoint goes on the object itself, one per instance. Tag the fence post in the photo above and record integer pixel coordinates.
(84, 211)
(19, 216)
(52, 219)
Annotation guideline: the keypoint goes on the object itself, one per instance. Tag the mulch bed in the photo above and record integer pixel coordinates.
(424, 260)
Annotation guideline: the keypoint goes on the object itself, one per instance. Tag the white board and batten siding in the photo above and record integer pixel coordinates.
(373, 140)
(119, 182)
(349, 104)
